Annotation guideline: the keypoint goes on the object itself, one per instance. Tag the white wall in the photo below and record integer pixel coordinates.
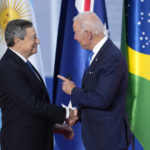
(114, 16)
(47, 16)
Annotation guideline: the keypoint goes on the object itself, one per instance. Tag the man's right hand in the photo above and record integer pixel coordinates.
(73, 118)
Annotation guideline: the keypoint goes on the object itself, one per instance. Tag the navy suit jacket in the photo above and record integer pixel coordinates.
(102, 100)
(27, 115)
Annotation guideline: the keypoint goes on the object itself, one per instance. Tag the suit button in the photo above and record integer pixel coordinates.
(96, 59)
(90, 72)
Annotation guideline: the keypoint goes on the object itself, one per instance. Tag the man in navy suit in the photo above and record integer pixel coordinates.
(102, 98)
(28, 118)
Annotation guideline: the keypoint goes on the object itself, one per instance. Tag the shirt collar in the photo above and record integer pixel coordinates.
(98, 46)
(22, 57)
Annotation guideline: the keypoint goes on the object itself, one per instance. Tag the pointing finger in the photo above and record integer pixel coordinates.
(62, 78)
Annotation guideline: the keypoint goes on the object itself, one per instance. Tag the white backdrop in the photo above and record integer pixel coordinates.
(114, 16)
(47, 17)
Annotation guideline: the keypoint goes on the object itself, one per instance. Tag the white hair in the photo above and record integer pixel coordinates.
(90, 21)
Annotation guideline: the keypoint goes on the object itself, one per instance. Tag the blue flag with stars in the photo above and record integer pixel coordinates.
(71, 62)
(138, 12)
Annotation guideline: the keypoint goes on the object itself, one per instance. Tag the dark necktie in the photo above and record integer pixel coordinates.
(32, 69)
(89, 59)
(30, 66)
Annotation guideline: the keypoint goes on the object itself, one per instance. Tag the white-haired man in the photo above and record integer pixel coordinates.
(102, 98)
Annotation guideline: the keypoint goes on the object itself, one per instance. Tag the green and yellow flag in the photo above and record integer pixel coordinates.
(136, 48)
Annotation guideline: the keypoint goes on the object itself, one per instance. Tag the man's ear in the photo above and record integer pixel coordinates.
(89, 34)
(17, 41)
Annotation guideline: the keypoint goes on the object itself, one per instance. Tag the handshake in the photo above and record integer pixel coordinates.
(67, 87)
(73, 117)
(66, 129)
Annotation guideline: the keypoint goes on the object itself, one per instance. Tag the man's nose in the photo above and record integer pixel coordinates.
(37, 41)
(75, 37)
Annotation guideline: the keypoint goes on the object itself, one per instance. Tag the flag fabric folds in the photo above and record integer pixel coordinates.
(71, 60)
(137, 52)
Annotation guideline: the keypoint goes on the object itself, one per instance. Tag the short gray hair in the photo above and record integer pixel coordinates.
(90, 21)
(16, 28)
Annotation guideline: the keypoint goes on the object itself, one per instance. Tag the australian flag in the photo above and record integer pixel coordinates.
(71, 59)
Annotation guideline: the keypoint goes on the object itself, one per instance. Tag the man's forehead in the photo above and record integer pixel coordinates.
(76, 25)
(30, 30)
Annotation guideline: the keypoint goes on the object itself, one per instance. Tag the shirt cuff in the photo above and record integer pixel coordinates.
(67, 112)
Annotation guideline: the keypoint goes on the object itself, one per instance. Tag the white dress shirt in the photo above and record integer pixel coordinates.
(97, 47)
(22, 57)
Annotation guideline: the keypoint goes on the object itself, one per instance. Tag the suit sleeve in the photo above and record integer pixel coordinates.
(103, 89)
(18, 90)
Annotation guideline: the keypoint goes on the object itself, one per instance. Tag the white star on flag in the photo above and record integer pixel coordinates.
(69, 106)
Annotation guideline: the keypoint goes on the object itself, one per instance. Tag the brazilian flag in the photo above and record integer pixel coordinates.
(136, 48)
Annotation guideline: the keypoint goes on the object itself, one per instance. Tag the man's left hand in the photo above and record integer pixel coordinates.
(67, 85)
(65, 130)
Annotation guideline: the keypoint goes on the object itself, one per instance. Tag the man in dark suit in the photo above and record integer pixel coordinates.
(102, 98)
(28, 118)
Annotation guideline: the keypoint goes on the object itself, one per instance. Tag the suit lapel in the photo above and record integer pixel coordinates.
(32, 78)
(41, 80)
(99, 57)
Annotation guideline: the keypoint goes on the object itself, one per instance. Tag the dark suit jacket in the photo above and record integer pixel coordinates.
(102, 100)
(27, 115)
